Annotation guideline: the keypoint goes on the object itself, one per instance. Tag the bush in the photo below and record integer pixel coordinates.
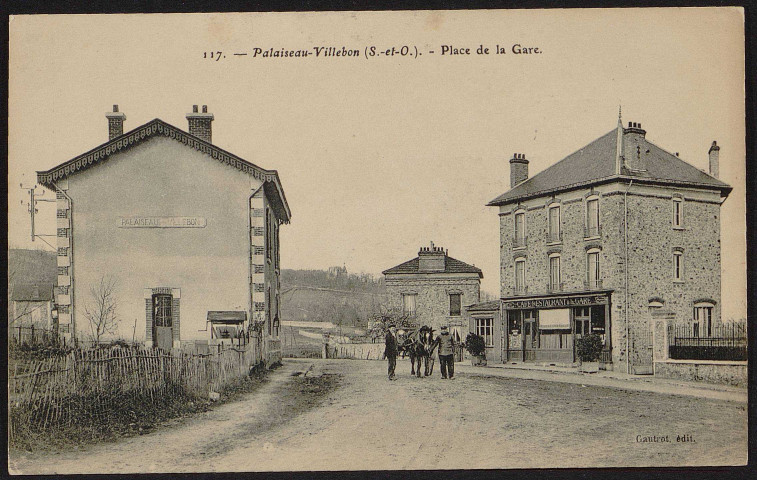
(475, 345)
(589, 348)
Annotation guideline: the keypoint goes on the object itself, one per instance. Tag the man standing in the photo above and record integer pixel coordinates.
(391, 350)
(446, 353)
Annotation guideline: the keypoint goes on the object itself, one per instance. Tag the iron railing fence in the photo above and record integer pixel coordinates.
(698, 342)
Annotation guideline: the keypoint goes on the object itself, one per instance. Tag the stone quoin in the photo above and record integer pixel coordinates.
(184, 228)
(601, 240)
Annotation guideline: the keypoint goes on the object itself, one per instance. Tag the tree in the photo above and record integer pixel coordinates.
(100, 312)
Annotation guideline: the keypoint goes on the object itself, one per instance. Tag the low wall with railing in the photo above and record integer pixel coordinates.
(682, 353)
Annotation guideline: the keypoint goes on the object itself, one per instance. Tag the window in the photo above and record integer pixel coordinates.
(554, 272)
(593, 279)
(677, 212)
(408, 303)
(162, 314)
(455, 304)
(485, 328)
(703, 319)
(520, 230)
(592, 217)
(553, 228)
(520, 276)
(678, 266)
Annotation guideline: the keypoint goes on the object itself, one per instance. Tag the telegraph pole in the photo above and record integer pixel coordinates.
(33, 199)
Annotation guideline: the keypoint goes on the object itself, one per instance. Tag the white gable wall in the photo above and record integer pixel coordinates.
(162, 178)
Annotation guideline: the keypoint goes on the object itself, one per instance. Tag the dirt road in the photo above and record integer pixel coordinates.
(350, 417)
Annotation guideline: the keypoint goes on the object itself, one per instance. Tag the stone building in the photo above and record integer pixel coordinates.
(179, 225)
(433, 289)
(602, 238)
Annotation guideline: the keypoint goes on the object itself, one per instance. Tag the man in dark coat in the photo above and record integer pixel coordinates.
(391, 350)
(446, 353)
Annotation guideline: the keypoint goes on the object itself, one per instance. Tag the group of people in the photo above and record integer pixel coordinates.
(444, 341)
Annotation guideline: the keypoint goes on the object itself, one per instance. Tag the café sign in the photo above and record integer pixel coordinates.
(556, 302)
(161, 222)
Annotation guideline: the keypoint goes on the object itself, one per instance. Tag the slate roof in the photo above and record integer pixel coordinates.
(595, 164)
(451, 265)
(483, 306)
(158, 127)
(25, 292)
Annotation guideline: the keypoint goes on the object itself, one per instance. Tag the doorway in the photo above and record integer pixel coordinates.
(530, 336)
(582, 325)
(162, 321)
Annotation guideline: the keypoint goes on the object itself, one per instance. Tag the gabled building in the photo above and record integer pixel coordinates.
(433, 288)
(595, 242)
(31, 305)
(180, 225)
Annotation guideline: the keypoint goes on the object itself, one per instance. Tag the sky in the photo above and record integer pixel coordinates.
(380, 155)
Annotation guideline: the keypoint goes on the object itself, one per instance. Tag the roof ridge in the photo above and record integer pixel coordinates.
(566, 157)
(676, 157)
(158, 127)
(590, 165)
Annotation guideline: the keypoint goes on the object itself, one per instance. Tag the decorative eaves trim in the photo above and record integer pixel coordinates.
(154, 128)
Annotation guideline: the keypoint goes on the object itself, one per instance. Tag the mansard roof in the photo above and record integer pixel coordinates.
(451, 265)
(595, 164)
(158, 127)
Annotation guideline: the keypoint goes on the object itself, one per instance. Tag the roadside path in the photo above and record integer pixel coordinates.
(485, 418)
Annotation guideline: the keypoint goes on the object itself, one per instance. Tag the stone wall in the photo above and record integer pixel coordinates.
(727, 373)
(651, 239)
(433, 290)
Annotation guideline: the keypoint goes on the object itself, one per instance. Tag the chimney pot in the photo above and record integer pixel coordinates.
(200, 123)
(518, 169)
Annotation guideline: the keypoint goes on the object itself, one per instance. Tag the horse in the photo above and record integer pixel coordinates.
(419, 346)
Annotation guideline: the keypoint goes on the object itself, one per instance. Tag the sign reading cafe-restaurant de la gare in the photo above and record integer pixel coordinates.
(161, 222)
(575, 301)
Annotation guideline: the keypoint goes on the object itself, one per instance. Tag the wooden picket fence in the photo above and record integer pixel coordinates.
(100, 383)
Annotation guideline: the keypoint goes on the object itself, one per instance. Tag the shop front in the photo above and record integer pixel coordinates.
(544, 329)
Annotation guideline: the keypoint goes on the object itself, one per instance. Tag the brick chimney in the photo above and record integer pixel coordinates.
(714, 159)
(199, 123)
(518, 169)
(634, 146)
(431, 259)
(115, 123)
